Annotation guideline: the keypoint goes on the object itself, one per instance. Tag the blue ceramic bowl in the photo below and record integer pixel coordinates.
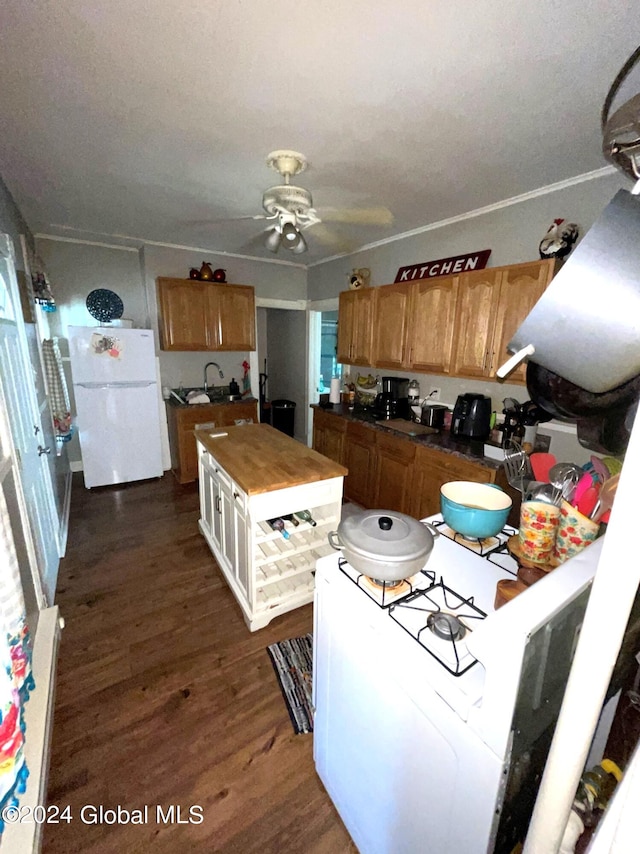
(474, 509)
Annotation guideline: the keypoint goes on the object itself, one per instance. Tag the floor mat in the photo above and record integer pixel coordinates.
(292, 661)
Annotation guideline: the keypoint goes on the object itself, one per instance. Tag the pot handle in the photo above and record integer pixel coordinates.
(434, 531)
(333, 538)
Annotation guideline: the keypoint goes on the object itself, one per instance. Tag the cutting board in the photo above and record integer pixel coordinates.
(407, 427)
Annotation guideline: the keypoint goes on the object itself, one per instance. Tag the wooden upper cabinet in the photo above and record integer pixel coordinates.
(182, 318)
(391, 325)
(476, 307)
(355, 326)
(195, 315)
(521, 287)
(233, 316)
(431, 318)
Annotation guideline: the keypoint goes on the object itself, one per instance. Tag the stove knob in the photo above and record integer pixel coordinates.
(385, 523)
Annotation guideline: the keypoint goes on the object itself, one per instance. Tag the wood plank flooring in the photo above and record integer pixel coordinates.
(165, 698)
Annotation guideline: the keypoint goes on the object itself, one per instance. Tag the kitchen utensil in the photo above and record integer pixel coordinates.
(613, 465)
(517, 466)
(575, 532)
(537, 531)
(566, 477)
(600, 468)
(541, 465)
(384, 544)
(588, 501)
(476, 510)
(605, 499)
(541, 491)
(583, 484)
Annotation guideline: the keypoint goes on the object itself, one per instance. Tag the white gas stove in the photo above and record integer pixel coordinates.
(431, 704)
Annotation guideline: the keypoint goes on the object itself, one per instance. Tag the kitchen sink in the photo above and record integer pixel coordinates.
(216, 394)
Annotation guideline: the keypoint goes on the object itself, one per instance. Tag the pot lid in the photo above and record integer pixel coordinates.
(385, 534)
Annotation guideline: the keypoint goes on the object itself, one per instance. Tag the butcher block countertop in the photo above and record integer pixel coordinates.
(262, 459)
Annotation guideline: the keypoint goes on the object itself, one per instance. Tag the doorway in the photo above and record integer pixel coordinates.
(282, 359)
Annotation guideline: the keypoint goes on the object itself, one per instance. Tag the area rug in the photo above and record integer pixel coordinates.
(292, 661)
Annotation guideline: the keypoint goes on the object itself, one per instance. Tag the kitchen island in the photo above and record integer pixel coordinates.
(252, 473)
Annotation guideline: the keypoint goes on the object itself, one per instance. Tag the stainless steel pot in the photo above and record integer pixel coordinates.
(384, 544)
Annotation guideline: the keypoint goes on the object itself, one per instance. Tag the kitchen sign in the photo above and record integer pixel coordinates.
(444, 266)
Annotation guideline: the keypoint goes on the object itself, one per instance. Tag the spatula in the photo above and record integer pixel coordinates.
(541, 465)
(584, 483)
(588, 501)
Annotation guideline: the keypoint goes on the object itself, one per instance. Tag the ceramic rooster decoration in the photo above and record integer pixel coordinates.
(559, 239)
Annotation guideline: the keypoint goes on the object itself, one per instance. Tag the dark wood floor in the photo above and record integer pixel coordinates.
(165, 697)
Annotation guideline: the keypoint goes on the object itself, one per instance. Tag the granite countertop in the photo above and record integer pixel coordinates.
(466, 449)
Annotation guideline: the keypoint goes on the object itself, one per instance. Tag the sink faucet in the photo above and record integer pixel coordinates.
(216, 365)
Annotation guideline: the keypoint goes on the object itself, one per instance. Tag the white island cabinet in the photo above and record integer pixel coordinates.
(252, 473)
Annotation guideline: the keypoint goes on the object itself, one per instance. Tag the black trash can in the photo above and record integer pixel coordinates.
(283, 413)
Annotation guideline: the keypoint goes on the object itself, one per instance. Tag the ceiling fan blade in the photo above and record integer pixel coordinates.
(364, 216)
(206, 222)
(329, 237)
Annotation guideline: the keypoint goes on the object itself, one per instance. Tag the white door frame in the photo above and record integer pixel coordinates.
(26, 431)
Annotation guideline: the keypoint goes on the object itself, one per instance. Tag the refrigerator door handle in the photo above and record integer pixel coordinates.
(135, 384)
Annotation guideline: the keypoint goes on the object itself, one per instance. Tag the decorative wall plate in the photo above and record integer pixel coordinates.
(104, 305)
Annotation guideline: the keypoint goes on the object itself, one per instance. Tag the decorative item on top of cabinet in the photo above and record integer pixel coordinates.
(355, 325)
(196, 315)
(359, 278)
(206, 273)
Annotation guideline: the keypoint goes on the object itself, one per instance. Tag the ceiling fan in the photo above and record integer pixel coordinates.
(291, 208)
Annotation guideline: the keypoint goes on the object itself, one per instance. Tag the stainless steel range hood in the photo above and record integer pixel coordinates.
(586, 326)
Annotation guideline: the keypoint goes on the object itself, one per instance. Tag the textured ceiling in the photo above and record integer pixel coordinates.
(153, 120)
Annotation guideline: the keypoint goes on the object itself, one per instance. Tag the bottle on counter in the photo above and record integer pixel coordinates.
(306, 517)
(278, 525)
(234, 388)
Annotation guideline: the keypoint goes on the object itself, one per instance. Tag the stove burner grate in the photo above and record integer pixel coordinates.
(483, 547)
(457, 611)
(383, 593)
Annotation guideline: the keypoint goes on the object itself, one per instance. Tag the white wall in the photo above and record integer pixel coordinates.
(76, 268)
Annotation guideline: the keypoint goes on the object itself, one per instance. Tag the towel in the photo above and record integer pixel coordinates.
(197, 397)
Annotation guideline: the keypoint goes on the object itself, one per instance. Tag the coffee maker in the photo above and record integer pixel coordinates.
(393, 401)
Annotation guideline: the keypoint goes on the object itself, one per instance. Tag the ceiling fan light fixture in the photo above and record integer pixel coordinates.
(300, 246)
(273, 239)
(289, 234)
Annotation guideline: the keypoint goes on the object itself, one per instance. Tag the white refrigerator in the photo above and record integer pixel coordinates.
(117, 403)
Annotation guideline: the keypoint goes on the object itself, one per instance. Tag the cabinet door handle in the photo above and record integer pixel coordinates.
(218, 510)
(484, 361)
